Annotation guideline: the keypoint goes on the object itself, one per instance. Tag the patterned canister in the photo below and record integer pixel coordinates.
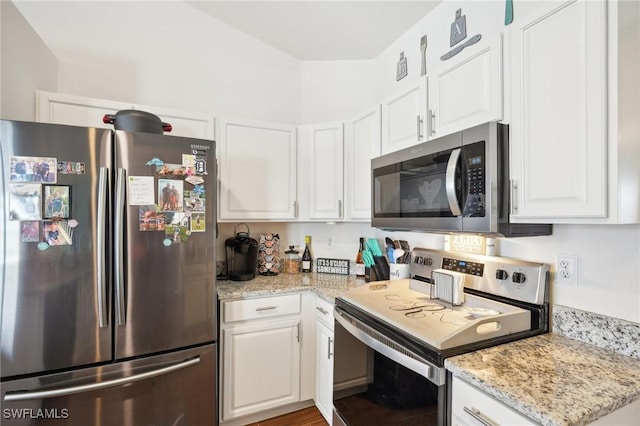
(269, 254)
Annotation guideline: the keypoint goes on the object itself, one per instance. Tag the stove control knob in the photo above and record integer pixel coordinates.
(501, 274)
(518, 277)
(428, 261)
(419, 260)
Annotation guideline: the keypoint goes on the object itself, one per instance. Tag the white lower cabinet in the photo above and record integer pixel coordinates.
(471, 406)
(261, 354)
(324, 359)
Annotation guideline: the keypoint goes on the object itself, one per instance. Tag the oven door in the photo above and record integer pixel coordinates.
(378, 382)
(420, 187)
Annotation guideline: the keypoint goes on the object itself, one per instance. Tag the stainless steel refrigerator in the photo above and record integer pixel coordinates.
(108, 277)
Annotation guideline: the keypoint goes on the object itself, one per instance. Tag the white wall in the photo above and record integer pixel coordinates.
(335, 90)
(167, 54)
(26, 66)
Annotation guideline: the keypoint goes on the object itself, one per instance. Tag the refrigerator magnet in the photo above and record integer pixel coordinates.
(200, 167)
(150, 219)
(194, 180)
(155, 161)
(198, 222)
(141, 190)
(194, 201)
(169, 170)
(25, 201)
(57, 202)
(30, 231)
(170, 195)
(55, 233)
(71, 168)
(33, 169)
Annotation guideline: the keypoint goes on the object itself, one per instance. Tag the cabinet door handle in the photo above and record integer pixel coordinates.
(340, 208)
(295, 209)
(329, 343)
(432, 122)
(266, 308)
(323, 310)
(477, 415)
(419, 127)
(298, 336)
(514, 196)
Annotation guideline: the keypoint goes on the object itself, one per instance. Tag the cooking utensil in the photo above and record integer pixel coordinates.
(398, 255)
(396, 244)
(133, 120)
(391, 254)
(407, 251)
(423, 49)
(453, 52)
(389, 242)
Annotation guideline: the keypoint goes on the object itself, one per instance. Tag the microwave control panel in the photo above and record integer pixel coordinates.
(475, 178)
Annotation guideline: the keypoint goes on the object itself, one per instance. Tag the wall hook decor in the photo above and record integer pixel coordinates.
(402, 67)
(458, 29)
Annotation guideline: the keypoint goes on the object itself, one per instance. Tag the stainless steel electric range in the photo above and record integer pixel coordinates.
(392, 337)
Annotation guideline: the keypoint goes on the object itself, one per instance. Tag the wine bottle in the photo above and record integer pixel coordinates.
(307, 257)
(359, 261)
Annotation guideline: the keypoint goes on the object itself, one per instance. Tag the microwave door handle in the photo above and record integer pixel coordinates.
(450, 182)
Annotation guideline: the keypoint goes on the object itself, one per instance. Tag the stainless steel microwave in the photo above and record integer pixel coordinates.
(456, 183)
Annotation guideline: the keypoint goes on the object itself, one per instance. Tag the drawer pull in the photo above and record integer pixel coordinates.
(476, 414)
(266, 308)
(323, 310)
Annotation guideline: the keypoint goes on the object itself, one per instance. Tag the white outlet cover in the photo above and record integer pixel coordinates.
(567, 269)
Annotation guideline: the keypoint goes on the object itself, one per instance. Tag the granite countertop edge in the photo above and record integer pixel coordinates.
(326, 286)
(566, 382)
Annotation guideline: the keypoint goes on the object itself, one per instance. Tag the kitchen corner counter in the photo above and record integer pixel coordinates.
(552, 379)
(327, 286)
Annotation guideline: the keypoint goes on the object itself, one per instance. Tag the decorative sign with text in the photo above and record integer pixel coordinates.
(332, 266)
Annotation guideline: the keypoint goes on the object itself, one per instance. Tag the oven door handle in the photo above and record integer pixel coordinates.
(450, 182)
(422, 367)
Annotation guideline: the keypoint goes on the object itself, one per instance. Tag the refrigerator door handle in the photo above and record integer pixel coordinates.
(101, 260)
(52, 393)
(119, 246)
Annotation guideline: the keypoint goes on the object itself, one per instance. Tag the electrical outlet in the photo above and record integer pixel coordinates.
(567, 269)
(330, 242)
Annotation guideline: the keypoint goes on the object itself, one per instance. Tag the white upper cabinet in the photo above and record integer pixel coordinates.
(321, 177)
(466, 90)
(257, 163)
(404, 117)
(559, 112)
(362, 143)
(74, 110)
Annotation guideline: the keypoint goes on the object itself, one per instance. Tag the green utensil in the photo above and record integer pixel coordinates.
(508, 12)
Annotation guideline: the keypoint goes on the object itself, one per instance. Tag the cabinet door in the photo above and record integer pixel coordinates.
(261, 367)
(466, 90)
(324, 371)
(72, 110)
(471, 406)
(362, 143)
(257, 170)
(559, 97)
(404, 118)
(324, 145)
(88, 112)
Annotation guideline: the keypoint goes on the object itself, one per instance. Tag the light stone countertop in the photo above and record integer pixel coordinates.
(552, 379)
(327, 286)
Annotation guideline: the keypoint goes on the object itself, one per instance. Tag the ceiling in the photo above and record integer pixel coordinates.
(322, 30)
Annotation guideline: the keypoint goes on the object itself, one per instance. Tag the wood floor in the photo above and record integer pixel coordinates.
(305, 417)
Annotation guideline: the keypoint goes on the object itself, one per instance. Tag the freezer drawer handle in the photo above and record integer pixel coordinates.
(101, 247)
(23, 396)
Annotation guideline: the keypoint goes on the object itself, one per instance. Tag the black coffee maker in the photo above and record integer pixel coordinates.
(241, 255)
